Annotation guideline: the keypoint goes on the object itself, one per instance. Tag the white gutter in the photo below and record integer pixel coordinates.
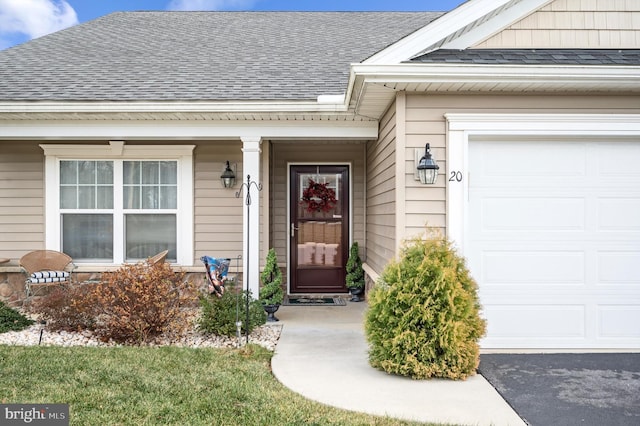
(324, 104)
(71, 129)
(615, 77)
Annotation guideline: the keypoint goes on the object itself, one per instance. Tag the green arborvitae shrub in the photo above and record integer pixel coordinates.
(219, 314)
(355, 273)
(271, 291)
(12, 320)
(423, 319)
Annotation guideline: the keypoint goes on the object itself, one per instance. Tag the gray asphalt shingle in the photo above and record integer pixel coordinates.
(201, 56)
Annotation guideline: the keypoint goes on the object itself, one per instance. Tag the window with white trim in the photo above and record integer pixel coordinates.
(123, 209)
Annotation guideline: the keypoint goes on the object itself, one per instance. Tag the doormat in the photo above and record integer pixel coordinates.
(315, 301)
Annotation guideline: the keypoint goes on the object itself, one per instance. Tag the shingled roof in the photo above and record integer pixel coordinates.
(533, 57)
(201, 56)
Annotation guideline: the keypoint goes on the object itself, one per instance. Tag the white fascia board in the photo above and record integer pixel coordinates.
(185, 130)
(432, 33)
(624, 76)
(494, 25)
(323, 104)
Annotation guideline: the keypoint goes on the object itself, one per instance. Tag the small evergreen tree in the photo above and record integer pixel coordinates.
(355, 273)
(423, 319)
(271, 292)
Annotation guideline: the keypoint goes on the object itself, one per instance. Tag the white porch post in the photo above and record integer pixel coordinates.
(251, 214)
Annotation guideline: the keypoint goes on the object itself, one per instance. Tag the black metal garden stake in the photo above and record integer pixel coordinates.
(248, 185)
(238, 297)
(43, 323)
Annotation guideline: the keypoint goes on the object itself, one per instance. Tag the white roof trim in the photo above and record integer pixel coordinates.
(494, 24)
(123, 151)
(448, 78)
(552, 124)
(467, 73)
(185, 130)
(324, 104)
(453, 22)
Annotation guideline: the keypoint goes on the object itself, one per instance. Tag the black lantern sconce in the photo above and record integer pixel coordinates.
(427, 168)
(228, 177)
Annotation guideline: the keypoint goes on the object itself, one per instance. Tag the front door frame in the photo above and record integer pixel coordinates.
(349, 166)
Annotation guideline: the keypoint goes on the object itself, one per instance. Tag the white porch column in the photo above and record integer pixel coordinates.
(251, 213)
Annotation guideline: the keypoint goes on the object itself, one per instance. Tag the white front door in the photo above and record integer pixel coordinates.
(553, 239)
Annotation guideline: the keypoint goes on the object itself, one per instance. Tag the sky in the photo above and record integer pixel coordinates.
(23, 20)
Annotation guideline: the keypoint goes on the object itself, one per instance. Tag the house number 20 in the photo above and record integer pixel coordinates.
(455, 176)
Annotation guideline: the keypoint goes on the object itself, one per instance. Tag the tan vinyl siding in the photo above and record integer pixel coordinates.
(574, 23)
(424, 204)
(218, 213)
(381, 194)
(21, 199)
(283, 153)
(425, 118)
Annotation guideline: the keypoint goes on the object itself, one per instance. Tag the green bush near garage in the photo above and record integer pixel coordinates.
(424, 318)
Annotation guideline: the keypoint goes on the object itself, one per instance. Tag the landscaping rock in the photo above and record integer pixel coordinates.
(266, 336)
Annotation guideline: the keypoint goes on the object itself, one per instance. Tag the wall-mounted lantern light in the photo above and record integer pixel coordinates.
(228, 177)
(427, 168)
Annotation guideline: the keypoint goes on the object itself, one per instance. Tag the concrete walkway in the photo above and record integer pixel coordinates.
(322, 355)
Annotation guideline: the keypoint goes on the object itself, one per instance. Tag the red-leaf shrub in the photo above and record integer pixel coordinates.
(66, 307)
(139, 302)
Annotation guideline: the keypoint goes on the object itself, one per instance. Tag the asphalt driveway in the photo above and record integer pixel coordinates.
(568, 389)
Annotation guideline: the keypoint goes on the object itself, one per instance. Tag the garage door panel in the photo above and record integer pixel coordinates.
(539, 325)
(532, 213)
(534, 321)
(519, 265)
(618, 159)
(616, 321)
(619, 214)
(532, 267)
(557, 254)
(502, 160)
(619, 267)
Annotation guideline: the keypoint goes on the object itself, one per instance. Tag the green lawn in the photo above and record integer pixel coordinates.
(162, 386)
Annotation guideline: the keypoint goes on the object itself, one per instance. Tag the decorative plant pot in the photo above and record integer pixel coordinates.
(355, 294)
(271, 310)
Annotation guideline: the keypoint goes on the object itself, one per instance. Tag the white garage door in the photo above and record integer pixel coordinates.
(554, 242)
